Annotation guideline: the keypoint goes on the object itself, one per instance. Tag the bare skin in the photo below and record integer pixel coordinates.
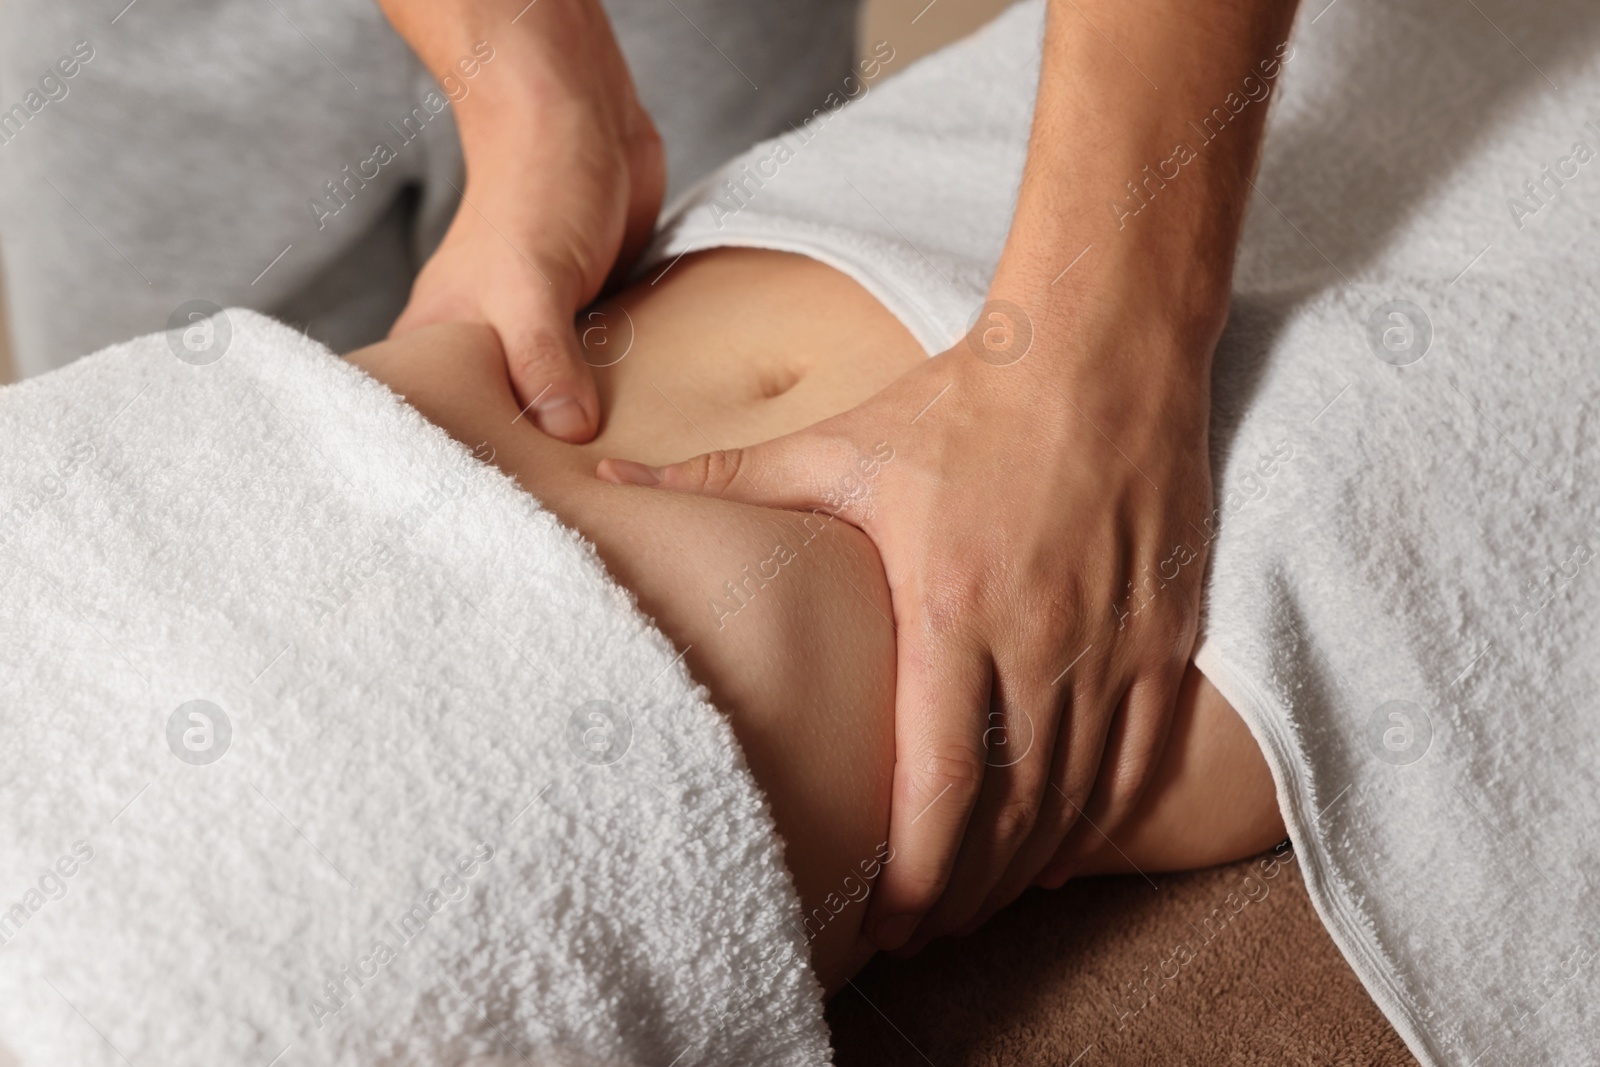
(727, 350)
(1056, 478)
(565, 173)
(991, 593)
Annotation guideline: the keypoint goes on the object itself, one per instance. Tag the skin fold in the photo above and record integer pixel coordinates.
(786, 615)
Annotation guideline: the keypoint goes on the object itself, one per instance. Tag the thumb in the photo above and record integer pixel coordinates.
(800, 472)
(553, 382)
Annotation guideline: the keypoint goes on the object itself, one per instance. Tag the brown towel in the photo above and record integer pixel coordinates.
(1222, 966)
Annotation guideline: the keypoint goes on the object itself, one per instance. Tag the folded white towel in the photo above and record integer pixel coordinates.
(1403, 598)
(322, 743)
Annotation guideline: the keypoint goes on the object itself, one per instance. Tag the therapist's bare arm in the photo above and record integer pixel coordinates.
(1045, 524)
(564, 179)
(1158, 106)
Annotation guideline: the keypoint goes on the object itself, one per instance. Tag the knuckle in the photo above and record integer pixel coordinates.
(947, 604)
(1119, 803)
(1066, 821)
(1175, 627)
(720, 469)
(1129, 787)
(1142, 775)
(852, 474)
(1015, 820)
(1038, 648)
(1074, 800)
(956, 769)
(835, 448)
(920, 889)
(1064, 593)
(542, 352)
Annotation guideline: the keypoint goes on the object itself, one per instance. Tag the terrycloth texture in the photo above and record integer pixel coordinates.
(1402, 598)
(472, 804)
(1090, 975)
(182, 161)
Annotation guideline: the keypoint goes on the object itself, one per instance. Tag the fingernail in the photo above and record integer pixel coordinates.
(894, 931)
(560, 417)
(635, 473)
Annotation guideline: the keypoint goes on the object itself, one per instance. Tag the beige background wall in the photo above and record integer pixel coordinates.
(913, 27)
(916, 27)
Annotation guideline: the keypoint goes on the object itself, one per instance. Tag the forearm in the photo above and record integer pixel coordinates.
(545, 63)
(1148, 126)
(564, 176)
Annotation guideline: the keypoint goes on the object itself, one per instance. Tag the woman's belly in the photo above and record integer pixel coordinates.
(784, 617)
(735, 346)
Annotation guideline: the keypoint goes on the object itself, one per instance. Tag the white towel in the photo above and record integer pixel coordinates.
(447, 796)
(1404, 592)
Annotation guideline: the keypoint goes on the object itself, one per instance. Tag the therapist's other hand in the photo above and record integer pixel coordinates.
(565, 175)
(1043, 537)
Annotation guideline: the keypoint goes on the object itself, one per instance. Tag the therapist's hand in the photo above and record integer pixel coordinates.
(1041, 534)
(564, 180)
(1045, 516)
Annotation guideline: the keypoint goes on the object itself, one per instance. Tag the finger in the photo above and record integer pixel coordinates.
(942, 691)
(1051, 827)
(802, 471)
(1133, 751)
(1019, 751)
(1093, 707)
(553, 383)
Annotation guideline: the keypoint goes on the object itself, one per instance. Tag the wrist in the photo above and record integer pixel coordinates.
(1135, 320)
(508, 135)
(1142, 392)
(1174, 282)
(520, 74)
(1108, 351)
